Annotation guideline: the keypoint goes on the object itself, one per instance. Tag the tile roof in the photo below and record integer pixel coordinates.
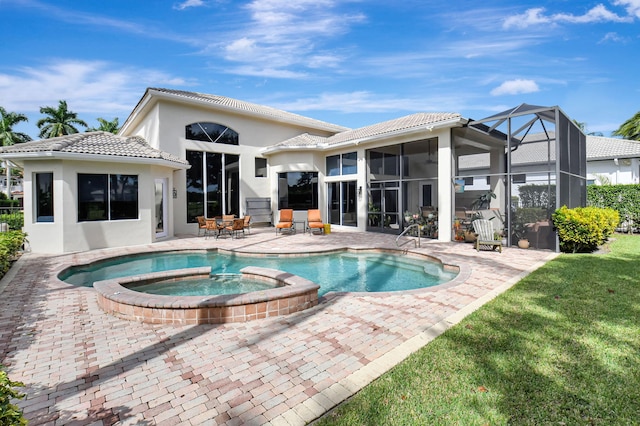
(249, 107)
(409, 122)
(97, 143)
(598, 148)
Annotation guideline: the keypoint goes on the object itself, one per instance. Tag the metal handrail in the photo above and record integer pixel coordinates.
(415, 225)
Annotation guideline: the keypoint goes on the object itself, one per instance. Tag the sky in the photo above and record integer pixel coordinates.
(347, 62)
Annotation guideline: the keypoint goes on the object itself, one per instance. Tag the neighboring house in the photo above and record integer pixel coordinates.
(616, 161)
(181, 154)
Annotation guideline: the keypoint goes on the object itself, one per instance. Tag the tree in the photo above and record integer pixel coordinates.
(7, 121)
(583, 126)
(630, 129)
(60, 121)
(106, 126)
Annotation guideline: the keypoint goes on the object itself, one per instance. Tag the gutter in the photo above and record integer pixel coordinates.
(49, 155)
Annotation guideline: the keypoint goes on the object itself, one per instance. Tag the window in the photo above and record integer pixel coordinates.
(107, 197)
(211, 132)
(44, 197)
(261, 167)
(344, 164)
(520, 178)
(213, 184)
(298, 190)
(468, 181)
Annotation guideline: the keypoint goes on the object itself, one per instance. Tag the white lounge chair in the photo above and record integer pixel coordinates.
(486, 236)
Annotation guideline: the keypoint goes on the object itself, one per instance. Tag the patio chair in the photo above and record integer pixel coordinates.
(212, 227)
(247, 224)
(236, 226)
(314, 221)
(486, 237)
(286, 221)
(202, 224)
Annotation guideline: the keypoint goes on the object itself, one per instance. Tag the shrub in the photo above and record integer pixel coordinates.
(10, 414)
(10, 243)
(14, 220)
(623, 198)
(583, 229)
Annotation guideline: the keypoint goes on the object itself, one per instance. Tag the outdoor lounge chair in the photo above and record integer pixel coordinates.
(314, 221)
(486, 237)
(286, 221)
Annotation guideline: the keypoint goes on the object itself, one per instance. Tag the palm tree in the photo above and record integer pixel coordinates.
(583, 126)
(7, 121)
(630, 129)
(59, 122)
(106, 126)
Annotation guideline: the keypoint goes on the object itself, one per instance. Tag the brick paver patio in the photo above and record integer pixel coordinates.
(82, 366)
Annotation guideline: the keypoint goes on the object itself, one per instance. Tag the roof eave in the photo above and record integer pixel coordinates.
(54, 155)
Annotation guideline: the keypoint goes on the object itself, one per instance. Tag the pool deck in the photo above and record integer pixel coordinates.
(82, 366)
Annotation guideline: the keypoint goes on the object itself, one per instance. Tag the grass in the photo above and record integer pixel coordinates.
(561, 347)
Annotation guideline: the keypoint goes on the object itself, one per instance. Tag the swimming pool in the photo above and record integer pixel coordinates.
(343, 271)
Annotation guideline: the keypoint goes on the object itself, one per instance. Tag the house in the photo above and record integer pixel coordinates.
(181, 154)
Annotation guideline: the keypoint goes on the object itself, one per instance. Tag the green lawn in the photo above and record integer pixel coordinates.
(562, 347)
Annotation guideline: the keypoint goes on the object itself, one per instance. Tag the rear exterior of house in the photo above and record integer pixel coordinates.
(180, 155)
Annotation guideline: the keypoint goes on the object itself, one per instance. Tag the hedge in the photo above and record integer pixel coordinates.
(625, 199)
(10, 244)
(583, 229)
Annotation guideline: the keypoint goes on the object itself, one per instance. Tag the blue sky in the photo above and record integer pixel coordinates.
(348, 62)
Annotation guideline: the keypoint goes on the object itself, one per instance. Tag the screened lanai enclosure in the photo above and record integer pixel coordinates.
(515, 168)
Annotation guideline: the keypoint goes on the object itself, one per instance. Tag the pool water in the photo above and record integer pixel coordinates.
(215, 285)
(341, 272)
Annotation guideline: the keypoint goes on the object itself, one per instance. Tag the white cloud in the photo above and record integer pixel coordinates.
(599, 13)
(612, 37)
(188, 3)
(95, 87)
(632, 6)
(286, 35)
(515, 87)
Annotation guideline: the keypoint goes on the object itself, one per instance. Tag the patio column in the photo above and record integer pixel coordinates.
(445, 186)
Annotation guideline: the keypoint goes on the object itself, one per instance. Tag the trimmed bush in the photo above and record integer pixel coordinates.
(10, 414)
(583, 229)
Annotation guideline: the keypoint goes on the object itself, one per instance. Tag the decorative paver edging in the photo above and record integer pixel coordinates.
(290, 294)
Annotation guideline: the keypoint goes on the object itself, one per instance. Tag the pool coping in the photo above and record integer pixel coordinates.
(290, 294)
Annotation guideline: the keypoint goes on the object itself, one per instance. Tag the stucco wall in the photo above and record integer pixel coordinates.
(66, 234)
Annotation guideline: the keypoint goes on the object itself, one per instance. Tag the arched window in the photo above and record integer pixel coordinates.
(211, 132)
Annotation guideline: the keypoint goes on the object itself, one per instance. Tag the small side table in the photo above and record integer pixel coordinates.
(299, 222)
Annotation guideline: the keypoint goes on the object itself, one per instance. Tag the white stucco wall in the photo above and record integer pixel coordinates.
(625, 172)
(65, 233)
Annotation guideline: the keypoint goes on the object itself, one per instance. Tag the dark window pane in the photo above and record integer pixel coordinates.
(333, 196)
(232, 179)
(349, 163)
(214, 184)
(211, 132)
(349, 213)
(123, 197)
(44, 197)
(298, 190)
(261, 167)
(333, 165)
(195, 190)
(92, 197)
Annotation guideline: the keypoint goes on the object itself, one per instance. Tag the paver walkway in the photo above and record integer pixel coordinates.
(83, 366)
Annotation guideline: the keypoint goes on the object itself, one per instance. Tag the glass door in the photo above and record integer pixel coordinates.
(160, 216)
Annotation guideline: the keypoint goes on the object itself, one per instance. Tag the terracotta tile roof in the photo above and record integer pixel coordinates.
(263, 110)
(97, 143)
